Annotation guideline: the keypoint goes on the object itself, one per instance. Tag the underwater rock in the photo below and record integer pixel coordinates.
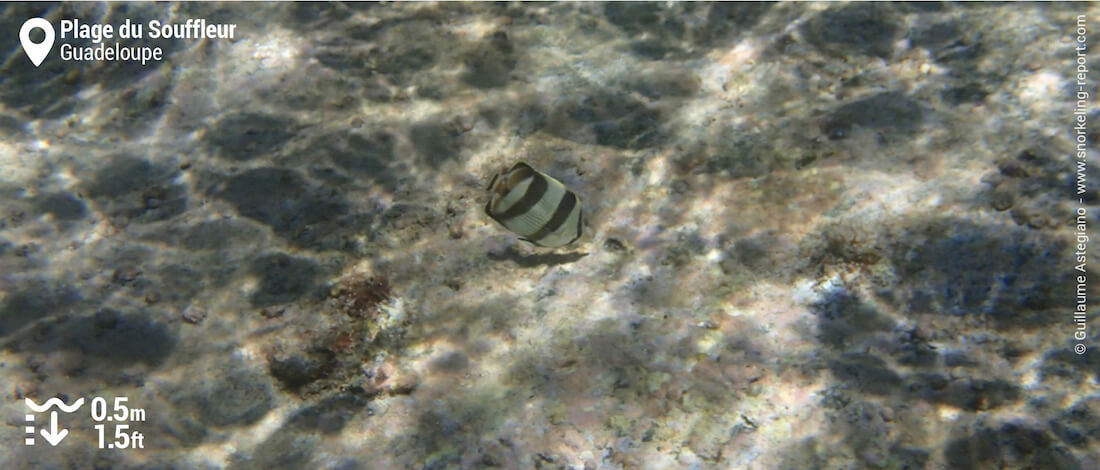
(126, 274)
(234, 399)
(299, 370)
(194, 314)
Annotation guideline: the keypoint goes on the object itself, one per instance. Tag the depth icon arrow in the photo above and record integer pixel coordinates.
(52, 435)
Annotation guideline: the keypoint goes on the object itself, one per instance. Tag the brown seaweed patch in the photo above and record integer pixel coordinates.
(361, 297)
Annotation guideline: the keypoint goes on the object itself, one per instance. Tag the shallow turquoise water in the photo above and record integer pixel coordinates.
(818, 236)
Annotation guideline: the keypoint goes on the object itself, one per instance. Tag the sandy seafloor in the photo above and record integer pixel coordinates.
(819, 236)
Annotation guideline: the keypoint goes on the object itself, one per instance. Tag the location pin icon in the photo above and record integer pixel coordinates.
(36, 52)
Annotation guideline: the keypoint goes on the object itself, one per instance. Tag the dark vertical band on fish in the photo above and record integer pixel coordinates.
(565, 207)
(535, 191)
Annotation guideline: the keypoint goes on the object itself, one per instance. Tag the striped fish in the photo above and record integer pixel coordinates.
(535, 206)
